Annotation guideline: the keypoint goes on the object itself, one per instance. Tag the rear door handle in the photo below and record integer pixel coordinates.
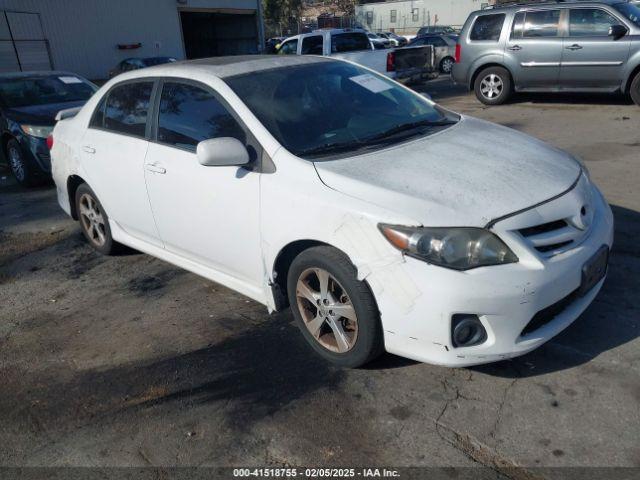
(88, 149)
(575, 46)
(155, 168)
(515, 48)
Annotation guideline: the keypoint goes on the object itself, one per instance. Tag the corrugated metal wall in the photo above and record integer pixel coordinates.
(83, 34)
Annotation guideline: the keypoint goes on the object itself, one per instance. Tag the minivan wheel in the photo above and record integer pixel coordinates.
(634, 90)
(446, 64)
(336, 313)
(493, 86)
(94, 221)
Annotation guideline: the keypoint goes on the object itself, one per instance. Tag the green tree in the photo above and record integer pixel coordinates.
(282, 13)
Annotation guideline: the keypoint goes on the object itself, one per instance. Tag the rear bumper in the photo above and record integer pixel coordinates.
(505, 298)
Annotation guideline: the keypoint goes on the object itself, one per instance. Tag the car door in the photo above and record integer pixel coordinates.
(206, 214)
(290, 47)
(590, 57)
(113, 149)
(534, 49)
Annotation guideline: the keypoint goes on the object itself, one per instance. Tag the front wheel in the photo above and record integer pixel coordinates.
(20, 167)
(335, 312)
(634, 90)
(493, 86)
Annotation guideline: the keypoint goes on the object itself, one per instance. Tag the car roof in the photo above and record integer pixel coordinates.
(223, 67)
(506, 6)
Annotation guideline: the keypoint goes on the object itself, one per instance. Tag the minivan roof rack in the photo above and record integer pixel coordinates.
(517, 3)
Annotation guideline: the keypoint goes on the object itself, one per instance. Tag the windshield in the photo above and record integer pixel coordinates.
(28, 91)
(327, 108)
(630, 11)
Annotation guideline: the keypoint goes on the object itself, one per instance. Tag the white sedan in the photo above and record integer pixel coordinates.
(385, 221)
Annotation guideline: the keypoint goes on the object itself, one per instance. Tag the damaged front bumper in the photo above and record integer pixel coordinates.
(505, 298)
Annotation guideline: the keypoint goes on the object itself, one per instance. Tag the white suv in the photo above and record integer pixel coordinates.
(385, 221)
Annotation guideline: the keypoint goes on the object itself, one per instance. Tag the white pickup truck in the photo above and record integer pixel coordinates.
(404, 64)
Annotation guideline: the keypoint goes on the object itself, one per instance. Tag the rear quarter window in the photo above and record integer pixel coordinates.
(487, 27)
(349, 42)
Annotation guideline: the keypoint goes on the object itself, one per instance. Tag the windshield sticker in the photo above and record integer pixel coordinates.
(371, 83)
(70, 79)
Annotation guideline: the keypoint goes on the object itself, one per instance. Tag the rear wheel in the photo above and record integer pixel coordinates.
(94, 221)
(335, 312)
(635, 89)
(446, 64)
(493, 86)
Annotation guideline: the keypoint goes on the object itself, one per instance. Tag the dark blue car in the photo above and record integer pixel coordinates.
(29, 102)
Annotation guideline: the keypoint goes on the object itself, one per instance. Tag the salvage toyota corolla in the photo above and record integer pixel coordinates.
(385, 221)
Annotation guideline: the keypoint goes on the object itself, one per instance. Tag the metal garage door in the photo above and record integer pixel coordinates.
(22, 43)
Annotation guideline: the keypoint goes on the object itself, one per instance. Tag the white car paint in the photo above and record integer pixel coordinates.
(229, 225)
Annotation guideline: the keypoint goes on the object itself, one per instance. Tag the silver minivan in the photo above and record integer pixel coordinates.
(558, 46)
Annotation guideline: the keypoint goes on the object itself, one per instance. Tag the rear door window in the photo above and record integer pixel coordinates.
(590, 22)
(349, 42)
(126, 109)
(487, 27)
(542, 23)
(312, 45)
(189, 114)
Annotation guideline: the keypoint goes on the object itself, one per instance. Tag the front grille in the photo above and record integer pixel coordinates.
(543, 228)
(553, 237)
(547, 314)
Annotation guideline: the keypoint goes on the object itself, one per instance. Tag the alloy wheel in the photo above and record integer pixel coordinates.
(17, 164)
(327, 310)
(92, 219)
(447, 65)
(491, 86)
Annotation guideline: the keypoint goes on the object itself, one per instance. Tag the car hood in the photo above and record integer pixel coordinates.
(466, 175)
(42, 115)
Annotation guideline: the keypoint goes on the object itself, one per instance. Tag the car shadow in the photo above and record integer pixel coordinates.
(253, 374)
(609, 322)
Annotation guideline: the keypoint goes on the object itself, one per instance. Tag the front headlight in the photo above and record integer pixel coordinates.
(36, 131)
(459, 248)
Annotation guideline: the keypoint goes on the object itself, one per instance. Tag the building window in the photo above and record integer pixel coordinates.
(394, 16)
(415, 14)
(370, 17)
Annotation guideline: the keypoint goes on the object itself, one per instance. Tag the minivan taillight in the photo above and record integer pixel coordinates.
(391, 62)
(50, 142)
(458, 52)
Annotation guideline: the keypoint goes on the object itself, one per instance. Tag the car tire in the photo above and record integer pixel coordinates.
(19, 165)
(347, 341)
(493, 86)
(634, 89)
(446, 65)
(94, 221)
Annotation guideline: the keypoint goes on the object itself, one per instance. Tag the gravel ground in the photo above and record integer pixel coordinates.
(129, 361)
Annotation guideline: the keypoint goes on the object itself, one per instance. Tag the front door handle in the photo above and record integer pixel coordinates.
(155, 168)
(575, 46)
(88, 149)
(515, 48)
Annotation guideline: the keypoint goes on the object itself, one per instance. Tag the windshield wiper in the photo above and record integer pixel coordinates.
(331, 148)
(407, 127)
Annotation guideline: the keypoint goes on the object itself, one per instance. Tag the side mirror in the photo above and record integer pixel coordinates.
(222, 152)
(617, 31)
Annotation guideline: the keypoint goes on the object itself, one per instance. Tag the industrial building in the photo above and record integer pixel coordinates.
(91, 36)
(407, 16)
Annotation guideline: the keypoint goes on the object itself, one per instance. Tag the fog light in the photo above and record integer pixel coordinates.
(467, 330)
